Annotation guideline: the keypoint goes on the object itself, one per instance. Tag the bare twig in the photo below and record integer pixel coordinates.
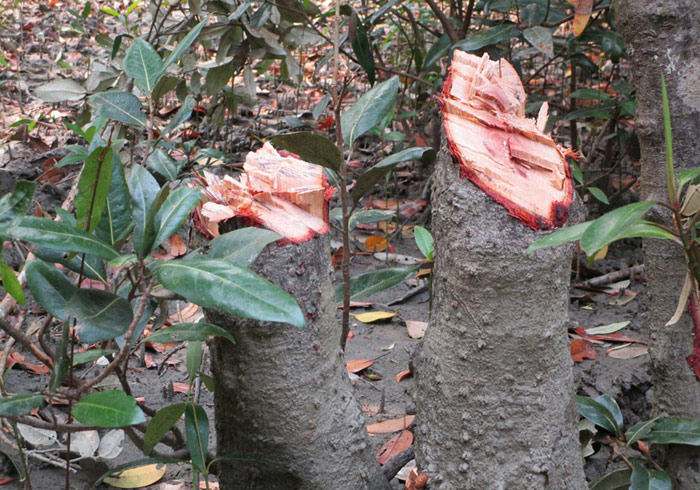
(446, 24)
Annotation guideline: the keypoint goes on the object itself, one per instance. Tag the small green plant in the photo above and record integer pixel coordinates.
(632, 444)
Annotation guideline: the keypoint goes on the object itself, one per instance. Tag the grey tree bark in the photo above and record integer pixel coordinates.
(664, 37)
(283, 394)
(494, 383)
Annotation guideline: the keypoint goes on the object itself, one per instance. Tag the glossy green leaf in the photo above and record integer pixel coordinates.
(14, 205)
(603, 110)
(93, 267)
(639, 431)
(242, 246)
(367, 216)
(109, 409)
(160, 424)
(123, 107)
(143, 64)
(183, 45)
(646, 229)
(589, 94)
(361, 46)
(194, 359)
(541, 38)
(599, 194)
(143, 188)
(488, 37)
(188, 332)
(20, 404)
(160, 162)
(376, 173)
(102, 315)
(50, 288)
(11, 283)
(598, 414)
(675, 431)
(116, 217)
(93, 188)
(688, 175)
(369, 110)
(182, 115)
(90, 355)
(564, 235)
(612, 226)
(197, 434)
(615, 480)
(609, 402)
(61, 236)
(645, 479)
(61, 359)
(137, 463)
(174, 211)
(319, 108)
(310, 147)
(216, 283)
(424, 240)
(372, 282)
(437, 51)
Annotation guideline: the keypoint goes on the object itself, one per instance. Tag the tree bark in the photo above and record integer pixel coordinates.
(664, 38)
(494, 383)
(283, 394)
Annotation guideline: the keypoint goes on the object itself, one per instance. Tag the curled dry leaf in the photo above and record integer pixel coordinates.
(394, 446)
(611, 337)
(416, 329)
(357, 365)
(393, 425)
(403, 375)
(582, 349)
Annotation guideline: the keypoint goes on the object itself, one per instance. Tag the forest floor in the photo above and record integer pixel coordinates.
(162, 377)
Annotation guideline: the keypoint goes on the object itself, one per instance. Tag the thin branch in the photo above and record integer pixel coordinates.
(446, 24)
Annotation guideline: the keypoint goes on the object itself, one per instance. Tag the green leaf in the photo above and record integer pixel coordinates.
(144, 189)
(174, 211)
(639, 431)
(310, 147)
(20, 404)
(541, 38)
(372, 282)
(108, 409)
(78, 154)
(675, 431)
(188, 332)
(123, 107)
(319, 108)
(103, 315)
(215, 283)
(182, 115)
(645, 479)
(61, 361)
(609, 402)
(589, 94)
(612, 226)
(361, 46)
(615, 480)
(437, 51)
(93, 267)
(184, 44)
(599, 194)
(160, 162)
(604, 110)
(242, 246)
(576, 172)
(50, 288)
(93, 188)
(565, 235)
(160, 424)
(606, 329)
(194, 359)
(488, 37)
(668, 137)
(197, 434)
(143, 64)
(61, 236)
(60, 90)
(424, 240)
(11, 283)
(646, 229)
(688, 175)
(90, 355)
(366, 216)
(366, 181)
(369, 110)
(14, 205)
(137, 463)
(116, 216)
(598, 414)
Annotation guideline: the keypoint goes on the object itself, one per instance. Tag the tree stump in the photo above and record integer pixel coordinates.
(494, 384)
(282, 393)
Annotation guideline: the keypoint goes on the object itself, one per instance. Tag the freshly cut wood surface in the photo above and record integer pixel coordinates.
(505, 154)
(276, 191)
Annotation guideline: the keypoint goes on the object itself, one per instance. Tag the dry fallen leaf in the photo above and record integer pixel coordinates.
(403, 375)
(627, 351)
(375, 243)
(623, 299)
(394, 446)
(393, 425)
(357, 365)
(374, 316)
(610, 337)
(582, 349)
(137, 477)
(416, 329)
(177, 246)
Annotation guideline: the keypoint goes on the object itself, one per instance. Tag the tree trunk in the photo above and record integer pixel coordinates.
(494, 382)
(664, 38)
(283, 394)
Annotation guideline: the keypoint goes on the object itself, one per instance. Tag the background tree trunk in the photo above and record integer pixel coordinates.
(283, 394)
(664, 37)
(494, 383)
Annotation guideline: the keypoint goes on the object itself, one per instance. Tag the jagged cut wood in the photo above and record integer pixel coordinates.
(277, 191)
(505, 154)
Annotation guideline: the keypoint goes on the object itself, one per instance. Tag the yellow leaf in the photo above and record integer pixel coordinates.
(137, 477)
(374, 316)
(375, 243)
(600, 254)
